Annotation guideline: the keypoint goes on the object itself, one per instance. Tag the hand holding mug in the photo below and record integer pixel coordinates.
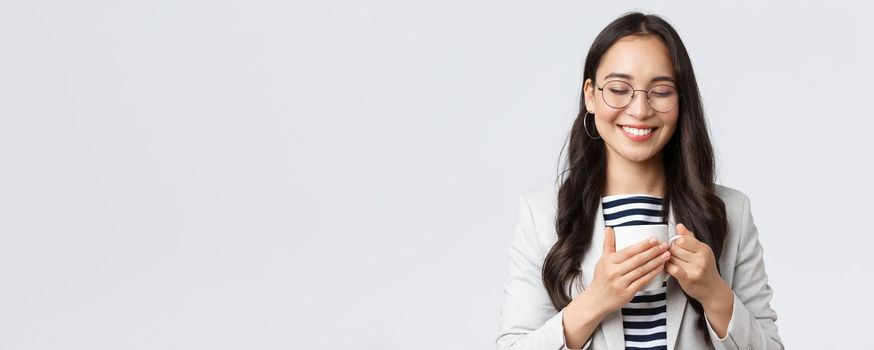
(693, 264)
(620, 275)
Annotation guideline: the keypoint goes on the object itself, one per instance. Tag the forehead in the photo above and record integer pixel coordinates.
(643, 58)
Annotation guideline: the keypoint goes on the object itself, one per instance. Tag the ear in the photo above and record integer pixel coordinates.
(589, 93)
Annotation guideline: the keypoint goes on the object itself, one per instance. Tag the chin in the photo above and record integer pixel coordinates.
(638, 158)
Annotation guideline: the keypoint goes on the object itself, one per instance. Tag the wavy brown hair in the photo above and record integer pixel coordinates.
(687, 160)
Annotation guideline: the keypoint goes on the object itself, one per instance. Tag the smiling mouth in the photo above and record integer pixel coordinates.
(638, 132)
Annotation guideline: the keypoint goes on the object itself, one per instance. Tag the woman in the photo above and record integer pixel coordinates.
(639, 153)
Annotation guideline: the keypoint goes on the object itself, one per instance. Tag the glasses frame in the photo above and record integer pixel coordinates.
(634, 92)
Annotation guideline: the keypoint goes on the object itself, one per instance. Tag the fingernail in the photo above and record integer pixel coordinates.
(663, 246)
(666, 255)
(653, 240)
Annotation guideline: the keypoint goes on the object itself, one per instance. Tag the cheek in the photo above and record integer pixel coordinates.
(606, 120)
(670, 125)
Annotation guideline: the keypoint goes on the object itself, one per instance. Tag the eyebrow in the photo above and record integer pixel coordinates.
(629, 77)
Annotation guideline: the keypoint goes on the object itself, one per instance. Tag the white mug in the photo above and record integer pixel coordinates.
(633, 234)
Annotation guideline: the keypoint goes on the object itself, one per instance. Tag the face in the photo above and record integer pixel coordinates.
(642, 62)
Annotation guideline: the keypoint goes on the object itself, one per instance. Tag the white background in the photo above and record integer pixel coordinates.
(285, 175)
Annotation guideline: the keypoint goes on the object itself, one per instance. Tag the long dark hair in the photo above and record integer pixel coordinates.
(687, 160)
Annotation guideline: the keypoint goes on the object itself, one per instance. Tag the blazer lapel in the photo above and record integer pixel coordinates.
(611, 325)
(676, 297)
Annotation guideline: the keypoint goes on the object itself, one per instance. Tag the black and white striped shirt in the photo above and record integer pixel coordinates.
(644, 319)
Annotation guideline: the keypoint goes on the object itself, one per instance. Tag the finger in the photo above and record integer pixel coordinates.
(643, 281)
(683, 230)
(642, 258)
(609, 241)
(630, 251)
(683, 265)
(675, 270)
(681, 253)
(641, 270)
(687, 239)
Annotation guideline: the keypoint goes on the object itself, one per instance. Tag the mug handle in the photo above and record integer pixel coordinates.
(670, 244)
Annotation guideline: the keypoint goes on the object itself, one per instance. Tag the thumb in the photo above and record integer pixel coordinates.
(609, 241)
(683, 230)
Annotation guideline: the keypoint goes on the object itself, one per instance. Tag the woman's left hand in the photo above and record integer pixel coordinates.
(693, 265)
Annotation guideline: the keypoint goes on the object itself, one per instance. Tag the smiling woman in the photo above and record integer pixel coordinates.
(645, 159)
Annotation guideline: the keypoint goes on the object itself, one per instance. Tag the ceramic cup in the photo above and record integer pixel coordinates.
(633, 234)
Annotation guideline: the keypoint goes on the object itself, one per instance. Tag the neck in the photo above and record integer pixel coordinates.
(627, 177)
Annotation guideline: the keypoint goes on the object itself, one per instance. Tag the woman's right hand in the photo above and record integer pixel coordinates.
(620, 275)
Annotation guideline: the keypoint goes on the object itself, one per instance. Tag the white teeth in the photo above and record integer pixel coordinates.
(637, 132)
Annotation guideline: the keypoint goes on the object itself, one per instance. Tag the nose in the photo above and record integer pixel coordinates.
(639, 107)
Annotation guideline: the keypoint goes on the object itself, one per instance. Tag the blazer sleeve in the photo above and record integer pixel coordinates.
(752, 324)
(528, 319)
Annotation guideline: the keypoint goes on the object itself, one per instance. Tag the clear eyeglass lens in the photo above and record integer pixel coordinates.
(617, 94)
(662, 98)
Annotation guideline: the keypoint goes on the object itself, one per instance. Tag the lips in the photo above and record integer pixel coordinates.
(638, 133)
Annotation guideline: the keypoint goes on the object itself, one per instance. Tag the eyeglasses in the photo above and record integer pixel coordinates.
(619, 94)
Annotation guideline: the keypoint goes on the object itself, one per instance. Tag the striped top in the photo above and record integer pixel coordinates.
(644, 319)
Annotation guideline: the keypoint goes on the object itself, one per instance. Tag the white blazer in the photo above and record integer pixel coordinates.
(530, 321)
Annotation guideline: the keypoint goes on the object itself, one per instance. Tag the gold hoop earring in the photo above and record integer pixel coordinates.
(586, 127)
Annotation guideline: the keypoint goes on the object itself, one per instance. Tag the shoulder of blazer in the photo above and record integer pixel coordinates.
(542, 198)
(730, 195)
(542, 204)
(736, 203)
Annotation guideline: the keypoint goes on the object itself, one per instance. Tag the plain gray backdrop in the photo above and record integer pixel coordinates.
(296, 175)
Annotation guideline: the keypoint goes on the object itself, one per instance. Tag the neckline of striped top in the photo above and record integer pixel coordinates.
(632, 209)
(616, 200)
(627, 195)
